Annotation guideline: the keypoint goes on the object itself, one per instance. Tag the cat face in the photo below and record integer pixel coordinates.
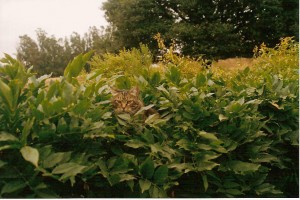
(126, 101)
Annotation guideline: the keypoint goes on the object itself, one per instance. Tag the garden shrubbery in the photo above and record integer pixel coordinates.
(218, 135)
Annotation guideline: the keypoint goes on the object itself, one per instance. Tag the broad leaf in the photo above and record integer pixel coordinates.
(30, 154)
(147, 168)
(7, 137)
(56, 158)
(12, 186)
(6, 94)
(161, 174)
(205, 182)
(144, 185)
(26, 130)
(70, 168)
(239, 167)
(135, 144)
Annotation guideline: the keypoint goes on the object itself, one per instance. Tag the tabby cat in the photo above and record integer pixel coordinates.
(128, 101)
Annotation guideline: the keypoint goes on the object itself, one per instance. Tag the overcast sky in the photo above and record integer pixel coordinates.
(57, 17)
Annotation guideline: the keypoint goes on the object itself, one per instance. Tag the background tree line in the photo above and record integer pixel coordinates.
(51, 55)
(214, 28)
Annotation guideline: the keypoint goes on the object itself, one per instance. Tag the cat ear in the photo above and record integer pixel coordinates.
(114, 91)
(135, 91)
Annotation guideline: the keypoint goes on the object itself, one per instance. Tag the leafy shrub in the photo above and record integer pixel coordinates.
(216, 137)
(126, 62)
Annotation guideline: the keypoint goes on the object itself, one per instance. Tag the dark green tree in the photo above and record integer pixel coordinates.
(217, 28)
(136, 21)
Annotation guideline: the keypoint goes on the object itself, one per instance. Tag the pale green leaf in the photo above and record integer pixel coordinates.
(56, 158)
(6, 94)
(144, 185)
(30, 154)
(135, 144)
(7, 137)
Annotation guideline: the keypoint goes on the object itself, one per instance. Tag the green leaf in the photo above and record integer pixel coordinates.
(125, 116)
(2, 163)
(62, 126)
(144, 185)
(82, 107)
(239, 167)
(206, 165)
(184, 144)
(126, 177)
(155, 78)
(267, 188)
(130, 184)
(56, 158)
(147, 168)
(161, 174)
(205, 182)
(70, 168)
(164, 90)
(267, 158)
(209, 136)
(154, 192)
(230, 184)
(185, 167)
(69, 171)
(13, 186)
(30, 154)
(222, 118)
(13, 146)
(74, 67)
(148, 137)
(200, 80)
(123, 82)
(174, 75)
(135, 144)
(234, 192)
(67, 92)
(114, 179)
(143, 109)
(6, 94)
(26, 130)
(7, 137)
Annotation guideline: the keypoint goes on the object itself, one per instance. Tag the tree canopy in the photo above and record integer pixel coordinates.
(212, 27)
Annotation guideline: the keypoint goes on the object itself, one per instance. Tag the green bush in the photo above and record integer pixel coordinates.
(215, 137)
(126, 62)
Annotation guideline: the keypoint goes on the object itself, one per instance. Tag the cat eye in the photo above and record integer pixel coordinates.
(117, 102)
(131, 102)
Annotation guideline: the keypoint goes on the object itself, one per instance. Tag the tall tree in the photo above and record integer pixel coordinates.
(219, 28)
(136, 21)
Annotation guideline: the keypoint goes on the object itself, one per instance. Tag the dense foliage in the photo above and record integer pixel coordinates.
(230, 135)
(216, 28)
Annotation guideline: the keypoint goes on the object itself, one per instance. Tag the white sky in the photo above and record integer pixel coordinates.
(57, 17)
